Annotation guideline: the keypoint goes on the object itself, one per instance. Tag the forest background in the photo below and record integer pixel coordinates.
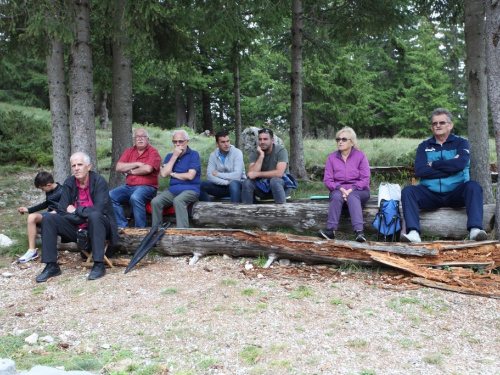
(304, 68)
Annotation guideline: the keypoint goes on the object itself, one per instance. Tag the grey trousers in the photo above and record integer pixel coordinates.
(180, 203)
(278, 191)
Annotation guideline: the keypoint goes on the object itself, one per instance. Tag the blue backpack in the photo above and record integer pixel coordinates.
(388, 220)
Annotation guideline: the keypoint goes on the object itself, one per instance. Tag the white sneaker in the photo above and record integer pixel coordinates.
(413, 236)
(477, 234)
(30, 255)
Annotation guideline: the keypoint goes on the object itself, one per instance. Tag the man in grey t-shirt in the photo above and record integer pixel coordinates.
(267, 166)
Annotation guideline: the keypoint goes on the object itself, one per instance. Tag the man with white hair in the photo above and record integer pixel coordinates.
(84, 204)
(183, 167)
(141, 166)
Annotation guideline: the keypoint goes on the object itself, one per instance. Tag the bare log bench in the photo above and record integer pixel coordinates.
(302, 215)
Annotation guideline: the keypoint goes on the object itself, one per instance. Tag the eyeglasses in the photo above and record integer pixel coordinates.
(141, 136)
(442, 123)
(344, 139)
(181, 141)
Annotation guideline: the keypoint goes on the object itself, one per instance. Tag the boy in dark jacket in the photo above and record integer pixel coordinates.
(45, 182)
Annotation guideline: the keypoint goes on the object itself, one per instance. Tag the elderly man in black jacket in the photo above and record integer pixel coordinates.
(84, 204)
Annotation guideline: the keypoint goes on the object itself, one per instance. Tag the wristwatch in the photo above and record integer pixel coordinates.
(74, 210)
(173, 174)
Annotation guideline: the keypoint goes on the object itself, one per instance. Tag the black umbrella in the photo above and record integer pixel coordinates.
(147, 243)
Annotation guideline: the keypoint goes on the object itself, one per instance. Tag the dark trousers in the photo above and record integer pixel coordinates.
(468, 194)
(98, 225)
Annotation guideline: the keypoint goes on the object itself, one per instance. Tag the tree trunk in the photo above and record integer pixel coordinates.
(306, 131)
(312, 216)
(122, 95)
(191, 115)
(297, 162)
(237, 99)
(61, 139)
(207, 111)
(81, 86)
(477, 105)
(180, 107)
(493, 69)
(102, 110)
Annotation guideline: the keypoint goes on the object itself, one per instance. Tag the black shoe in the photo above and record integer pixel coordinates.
(97, 272)
(326, 233)
(360, 236)
(50, 270)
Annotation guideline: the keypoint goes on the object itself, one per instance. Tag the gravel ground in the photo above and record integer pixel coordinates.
(218, 317)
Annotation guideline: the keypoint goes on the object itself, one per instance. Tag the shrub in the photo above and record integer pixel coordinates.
(24, 140)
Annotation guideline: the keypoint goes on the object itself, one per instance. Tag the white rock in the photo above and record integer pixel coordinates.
(105, 346)
(47, 338)
(17, 332)
(225, 256)
(7, 274)
(5, 241)
(248, 266)
(31, 339)
(259, 276)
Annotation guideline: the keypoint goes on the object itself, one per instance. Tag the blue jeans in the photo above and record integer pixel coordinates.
(136, 197)
(219, 191)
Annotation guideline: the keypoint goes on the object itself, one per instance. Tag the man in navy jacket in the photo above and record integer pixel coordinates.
(442, 163)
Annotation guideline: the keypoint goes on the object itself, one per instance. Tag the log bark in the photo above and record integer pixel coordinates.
(241, 243)
(301, 216)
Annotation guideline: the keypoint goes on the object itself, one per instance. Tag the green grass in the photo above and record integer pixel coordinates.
(250, 353)
(248, 292)
(227, 282)
(301, 292)
(260, 261)
(433, 359)
(357, 343)
(169, 291)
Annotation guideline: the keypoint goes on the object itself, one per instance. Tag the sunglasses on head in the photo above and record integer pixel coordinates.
(343, 139)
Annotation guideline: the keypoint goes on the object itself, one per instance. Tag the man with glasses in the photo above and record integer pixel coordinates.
(442, 163)
(225, 171)
(183, 167)
(267, 164)
(141, 166)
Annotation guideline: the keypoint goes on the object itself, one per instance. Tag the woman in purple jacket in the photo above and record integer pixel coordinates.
(347, 176)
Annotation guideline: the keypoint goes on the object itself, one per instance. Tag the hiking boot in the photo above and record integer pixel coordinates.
(50, 270)
(360, 236)
(326, 233)
(97, 272)
(30, 255)
(477, 234)
(413, 236)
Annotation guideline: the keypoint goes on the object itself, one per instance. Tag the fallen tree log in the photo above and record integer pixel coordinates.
(300, 216)
(241, 243)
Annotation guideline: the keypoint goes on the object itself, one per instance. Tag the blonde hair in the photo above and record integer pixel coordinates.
(351, 134)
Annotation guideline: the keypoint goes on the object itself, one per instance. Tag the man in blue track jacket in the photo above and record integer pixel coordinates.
(442, 163)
